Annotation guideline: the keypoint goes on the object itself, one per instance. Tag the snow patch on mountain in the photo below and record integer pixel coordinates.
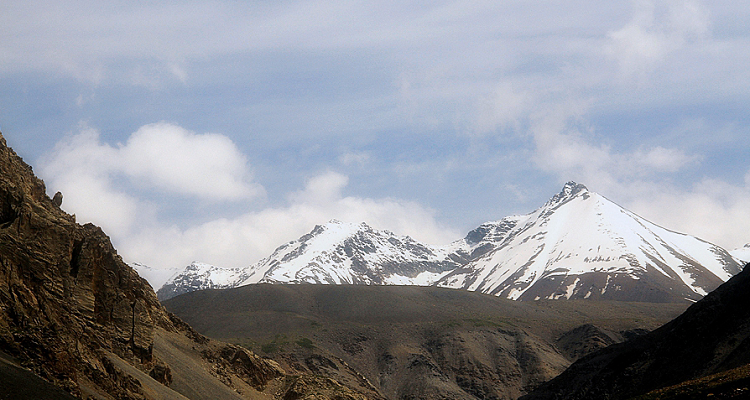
(200, 276)
(345, 253)
(742, 253)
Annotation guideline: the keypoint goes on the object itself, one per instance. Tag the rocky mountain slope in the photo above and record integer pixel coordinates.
(72, 313)
(400, 342)
(579, 245)
(711, 337)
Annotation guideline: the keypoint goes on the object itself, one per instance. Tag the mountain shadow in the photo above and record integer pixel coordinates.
(710, 341)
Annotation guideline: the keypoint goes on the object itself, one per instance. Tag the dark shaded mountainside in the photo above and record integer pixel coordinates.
(407, 342)
(75, 319)
(703, 353)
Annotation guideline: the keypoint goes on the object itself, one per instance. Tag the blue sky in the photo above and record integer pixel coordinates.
(216, 131)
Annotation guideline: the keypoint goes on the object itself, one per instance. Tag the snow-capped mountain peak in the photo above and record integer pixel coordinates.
(339, 252)
(199, 276)
(581, 245)
(577, 245)
(569, 191)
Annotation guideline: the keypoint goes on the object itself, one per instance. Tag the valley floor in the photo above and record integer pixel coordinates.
(397, 342)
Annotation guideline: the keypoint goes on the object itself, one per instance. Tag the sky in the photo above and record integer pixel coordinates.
(215, 131)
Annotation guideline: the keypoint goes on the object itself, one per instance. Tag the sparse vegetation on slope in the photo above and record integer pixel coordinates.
(412, 342)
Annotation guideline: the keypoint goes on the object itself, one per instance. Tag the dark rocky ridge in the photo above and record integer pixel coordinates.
(73, 313)
(710, 337)
(588, 338)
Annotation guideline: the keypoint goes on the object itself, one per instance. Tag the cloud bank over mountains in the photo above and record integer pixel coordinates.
(424, 119)
(163, 162)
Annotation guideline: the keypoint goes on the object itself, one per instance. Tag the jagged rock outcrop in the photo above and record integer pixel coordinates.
(318, 387)
(66, 296)
(588, 338)
(57, 199)
(75, 314)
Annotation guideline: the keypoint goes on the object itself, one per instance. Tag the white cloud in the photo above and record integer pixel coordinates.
(178, 71)
(655, 32)
(561, 148)
(172, 158)
(354, 158)
(639, 180)
(80, 168)
(566, 146)
(503, 108)
(710, 209)
(93, 198)
(688, 19)
(159, 157)
(660, 159)
(242, 240)
(407, 69)
(166, 157)
(637, 45)
(321, 189)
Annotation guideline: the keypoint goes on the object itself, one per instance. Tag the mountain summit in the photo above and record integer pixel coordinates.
(197, 276)
(578, 245)
(340, 253)
(332, 253)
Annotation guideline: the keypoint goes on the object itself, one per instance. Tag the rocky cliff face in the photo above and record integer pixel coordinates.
(74, 313)
(66, 296)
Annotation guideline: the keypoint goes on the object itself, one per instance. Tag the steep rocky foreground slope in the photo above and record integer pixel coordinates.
(406, 342)
(711, 340)
(74, 314)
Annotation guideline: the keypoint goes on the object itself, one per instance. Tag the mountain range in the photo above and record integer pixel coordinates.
(334, 253)
(578, 245)
(77, 322)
